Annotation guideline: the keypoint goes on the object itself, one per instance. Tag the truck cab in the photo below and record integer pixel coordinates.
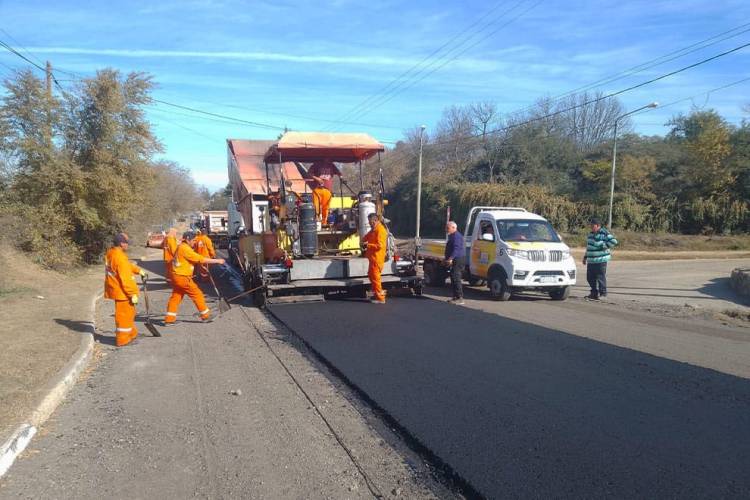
(512, 250)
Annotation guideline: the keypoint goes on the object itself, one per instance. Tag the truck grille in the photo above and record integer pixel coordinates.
(537, 255)
(555, 255)
(549, 273)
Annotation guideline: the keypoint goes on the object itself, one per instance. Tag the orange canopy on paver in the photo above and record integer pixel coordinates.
(318, 146)
(247, 172)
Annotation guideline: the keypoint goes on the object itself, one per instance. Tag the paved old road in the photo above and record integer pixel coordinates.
(533, 398)
(159, 420)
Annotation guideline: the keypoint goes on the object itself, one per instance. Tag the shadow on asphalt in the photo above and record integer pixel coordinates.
(85, 327)
(720, 289)
(518, 410)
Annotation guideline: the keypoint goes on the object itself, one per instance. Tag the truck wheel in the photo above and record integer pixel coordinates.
(499, 289)
(560, 293)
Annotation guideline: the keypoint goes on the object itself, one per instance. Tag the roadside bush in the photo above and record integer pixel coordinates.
(41, 233)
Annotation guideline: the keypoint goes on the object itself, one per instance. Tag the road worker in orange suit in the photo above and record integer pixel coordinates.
(320, 179)
(120, 286)
(205, 247)
(375, 243)
(170, 247)
(185, 258)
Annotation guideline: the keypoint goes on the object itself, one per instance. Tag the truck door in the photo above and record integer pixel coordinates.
(483, 247)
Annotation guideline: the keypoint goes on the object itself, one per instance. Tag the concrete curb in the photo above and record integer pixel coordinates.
(55, 392)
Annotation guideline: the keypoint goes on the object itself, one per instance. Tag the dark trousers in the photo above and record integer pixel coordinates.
(457, 276)
(596, 275)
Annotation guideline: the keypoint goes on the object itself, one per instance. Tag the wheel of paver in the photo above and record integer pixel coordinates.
(499, 289)
(560, 293)
(259, 298)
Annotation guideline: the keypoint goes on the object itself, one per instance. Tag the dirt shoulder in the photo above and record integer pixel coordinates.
(43, 317)
(666, 254)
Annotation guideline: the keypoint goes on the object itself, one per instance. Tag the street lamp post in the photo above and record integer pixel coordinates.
(417, 241)
(614, 158)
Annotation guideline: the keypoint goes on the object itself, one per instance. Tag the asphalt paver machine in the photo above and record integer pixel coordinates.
(287, 253)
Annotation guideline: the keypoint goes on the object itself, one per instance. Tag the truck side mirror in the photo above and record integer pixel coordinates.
(488, 237)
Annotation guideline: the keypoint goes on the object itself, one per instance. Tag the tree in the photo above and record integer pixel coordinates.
(706, 138)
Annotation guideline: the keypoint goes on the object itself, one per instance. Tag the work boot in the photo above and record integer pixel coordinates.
(592, 296)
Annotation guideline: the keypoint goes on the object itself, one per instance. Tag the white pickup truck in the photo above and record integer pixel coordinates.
(510, 250)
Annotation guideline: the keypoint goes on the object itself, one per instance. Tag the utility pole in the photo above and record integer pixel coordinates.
(48, 73)
(417, 240)
(49, 79)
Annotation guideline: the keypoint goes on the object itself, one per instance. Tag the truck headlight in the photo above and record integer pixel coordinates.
(565, 254)
(520, 275)
(520, 254)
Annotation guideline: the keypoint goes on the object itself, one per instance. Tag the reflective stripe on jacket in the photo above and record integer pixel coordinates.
(119, 277)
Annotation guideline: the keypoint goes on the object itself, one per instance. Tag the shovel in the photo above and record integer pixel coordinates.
(223, 304)
(149, 326)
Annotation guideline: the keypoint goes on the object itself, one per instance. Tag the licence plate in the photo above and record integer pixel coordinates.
(548, 279)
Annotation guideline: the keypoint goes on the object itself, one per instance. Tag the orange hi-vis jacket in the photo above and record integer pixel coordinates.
(170, 248)
(185, 259)
(377, 243)
(204, 246)
(119, 281)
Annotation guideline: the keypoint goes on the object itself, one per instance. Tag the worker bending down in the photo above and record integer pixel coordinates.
(170, 247)
(185, 259)
(120, 286)
(320, 179)
(205, 247)
(375, 244)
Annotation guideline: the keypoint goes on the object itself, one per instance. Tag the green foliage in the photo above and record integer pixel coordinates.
(80, 167)
(558, 163)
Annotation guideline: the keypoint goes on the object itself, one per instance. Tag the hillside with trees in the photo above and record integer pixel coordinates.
(555, 158)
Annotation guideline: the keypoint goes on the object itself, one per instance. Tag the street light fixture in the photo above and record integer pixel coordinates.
(614, 158)
(417, 241)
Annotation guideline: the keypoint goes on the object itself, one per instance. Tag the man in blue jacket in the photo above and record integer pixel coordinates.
(455, 258)
(598, 252)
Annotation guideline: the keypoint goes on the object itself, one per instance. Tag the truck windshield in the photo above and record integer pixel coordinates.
(527, 230)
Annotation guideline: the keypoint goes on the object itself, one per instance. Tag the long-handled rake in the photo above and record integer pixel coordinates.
(149, 325)
(223, 304)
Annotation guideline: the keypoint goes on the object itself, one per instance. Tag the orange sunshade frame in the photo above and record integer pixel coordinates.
(309, 147)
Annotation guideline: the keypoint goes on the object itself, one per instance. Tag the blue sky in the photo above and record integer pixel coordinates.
(305, 64)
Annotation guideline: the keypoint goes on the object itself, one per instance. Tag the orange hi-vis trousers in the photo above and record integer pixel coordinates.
(125, 330)
(322, 202)
(373, 272)
(181, 286)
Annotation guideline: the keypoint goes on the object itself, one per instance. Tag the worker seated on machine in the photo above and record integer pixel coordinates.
(320, 179)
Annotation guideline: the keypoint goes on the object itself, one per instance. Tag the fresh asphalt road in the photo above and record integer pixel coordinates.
(522, 410)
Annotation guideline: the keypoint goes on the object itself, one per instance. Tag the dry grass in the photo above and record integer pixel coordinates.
(667, 242)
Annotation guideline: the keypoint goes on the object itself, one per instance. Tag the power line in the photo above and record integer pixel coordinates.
(455, 37)
(684, 99)
(671, 56)
(208, 113)
(455, 56)
(28, 52)
(610, 95)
